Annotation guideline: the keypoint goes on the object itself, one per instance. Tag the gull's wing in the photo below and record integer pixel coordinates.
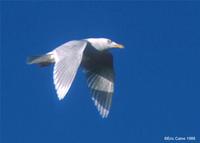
(100, 78)
(67, 60)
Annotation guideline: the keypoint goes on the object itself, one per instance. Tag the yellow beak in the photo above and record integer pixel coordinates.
(118, 46)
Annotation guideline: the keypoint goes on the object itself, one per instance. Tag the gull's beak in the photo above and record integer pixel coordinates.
(118, 46)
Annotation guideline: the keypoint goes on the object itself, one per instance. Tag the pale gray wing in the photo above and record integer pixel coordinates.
(100, 78)
(67, 61)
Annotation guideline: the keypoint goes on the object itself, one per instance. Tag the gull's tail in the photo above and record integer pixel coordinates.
(42, 60)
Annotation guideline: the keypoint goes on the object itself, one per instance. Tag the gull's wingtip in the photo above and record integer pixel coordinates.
(60, 98)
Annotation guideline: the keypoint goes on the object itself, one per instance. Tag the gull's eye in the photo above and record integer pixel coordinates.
(109, 41)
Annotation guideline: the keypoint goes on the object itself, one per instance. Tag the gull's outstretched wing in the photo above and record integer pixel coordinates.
(67, 60)
(100, 78)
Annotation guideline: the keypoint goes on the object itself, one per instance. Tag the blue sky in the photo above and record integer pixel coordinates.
(157, 74)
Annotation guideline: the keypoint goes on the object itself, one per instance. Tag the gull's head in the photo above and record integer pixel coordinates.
(103, 43)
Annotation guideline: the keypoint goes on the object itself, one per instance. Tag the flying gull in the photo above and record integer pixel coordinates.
(93, 56)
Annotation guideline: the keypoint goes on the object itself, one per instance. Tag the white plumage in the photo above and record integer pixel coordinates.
(92, 54)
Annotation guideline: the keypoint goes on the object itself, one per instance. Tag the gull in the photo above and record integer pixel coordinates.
(93, 56)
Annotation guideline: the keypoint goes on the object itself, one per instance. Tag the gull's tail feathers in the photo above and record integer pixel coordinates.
(42, 60)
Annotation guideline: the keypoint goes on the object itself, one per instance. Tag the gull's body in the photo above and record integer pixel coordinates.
(93, 55)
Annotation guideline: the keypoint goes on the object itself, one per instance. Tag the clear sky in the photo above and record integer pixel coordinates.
(157, 74)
